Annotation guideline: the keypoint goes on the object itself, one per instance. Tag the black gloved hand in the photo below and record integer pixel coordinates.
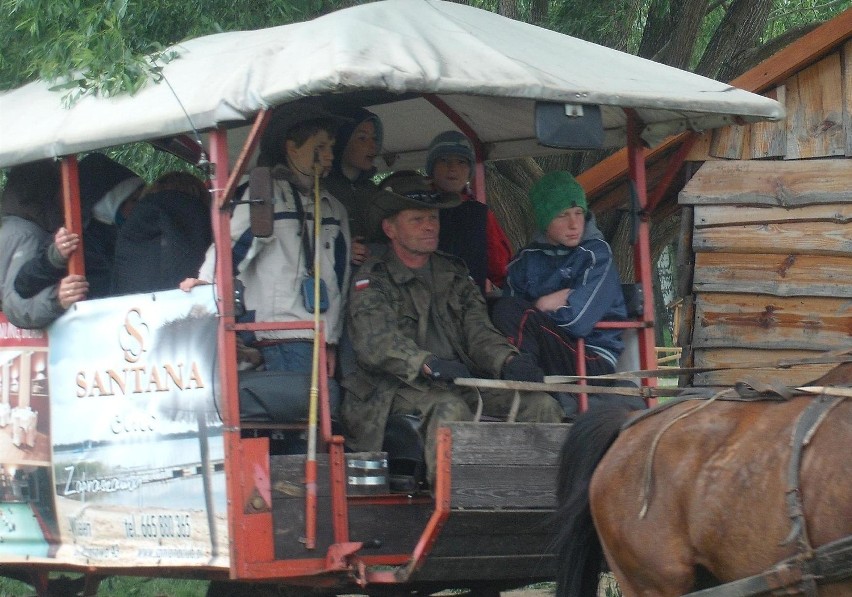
(522, 367)
(445, 370)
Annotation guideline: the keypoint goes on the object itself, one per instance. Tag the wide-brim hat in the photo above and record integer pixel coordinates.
(401, 191)
(285, 117)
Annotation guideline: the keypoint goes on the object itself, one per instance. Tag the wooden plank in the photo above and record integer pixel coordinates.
(288, 523)
(769, 139)
(846, 55)
(477, 486)
(507, 444)
(758, 182)
(728, 215)
(815, 111)
(495, 533)
(778, 275)
(814, 238)
(288, 476)
(389, 528)
(700, 150)
(505, 465)
(392, 528)
(748, 358)
(730, 142)
(754, 321)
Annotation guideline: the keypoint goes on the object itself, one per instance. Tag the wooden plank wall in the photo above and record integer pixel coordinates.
(773, 266)
(818, 100)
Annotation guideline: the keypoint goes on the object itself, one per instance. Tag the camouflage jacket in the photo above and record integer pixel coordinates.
(387, 322)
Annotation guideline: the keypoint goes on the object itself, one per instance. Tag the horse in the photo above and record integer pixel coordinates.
(699, 493)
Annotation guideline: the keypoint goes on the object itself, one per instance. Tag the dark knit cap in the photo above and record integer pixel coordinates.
(449, 143)
(354, 116)
(554, 193)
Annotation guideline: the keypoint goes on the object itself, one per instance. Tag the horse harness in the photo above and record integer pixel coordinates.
(801, 573)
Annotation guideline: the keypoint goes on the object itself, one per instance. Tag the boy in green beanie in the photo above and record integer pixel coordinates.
(562, 284)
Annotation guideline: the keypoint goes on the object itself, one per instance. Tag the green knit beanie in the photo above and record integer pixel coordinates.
(554, 193)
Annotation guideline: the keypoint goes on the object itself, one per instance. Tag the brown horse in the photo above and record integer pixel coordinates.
(696, 494)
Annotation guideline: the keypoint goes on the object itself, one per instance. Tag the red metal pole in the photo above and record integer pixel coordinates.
(71, 208)
(642, 250)
(226, 340)
(582, 397)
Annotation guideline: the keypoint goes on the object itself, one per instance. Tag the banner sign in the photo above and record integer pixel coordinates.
(111, 450)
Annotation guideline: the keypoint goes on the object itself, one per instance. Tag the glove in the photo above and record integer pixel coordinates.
(522, 367)
(445, 370)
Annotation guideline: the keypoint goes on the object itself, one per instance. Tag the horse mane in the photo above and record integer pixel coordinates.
(578, 549)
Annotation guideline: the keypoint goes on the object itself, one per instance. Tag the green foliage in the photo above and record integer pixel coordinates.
(90, 49)
(113, 46)
(613, 23)
(789, 14)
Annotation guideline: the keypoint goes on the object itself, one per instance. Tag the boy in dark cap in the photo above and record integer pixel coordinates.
(562, 284)
(417, 322)
(470, 231)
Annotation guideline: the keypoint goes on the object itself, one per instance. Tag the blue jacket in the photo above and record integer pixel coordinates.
(541, 268)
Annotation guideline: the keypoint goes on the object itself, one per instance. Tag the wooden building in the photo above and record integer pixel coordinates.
(766, 214)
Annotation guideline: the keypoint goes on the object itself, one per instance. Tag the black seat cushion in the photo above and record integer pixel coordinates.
(279, 396)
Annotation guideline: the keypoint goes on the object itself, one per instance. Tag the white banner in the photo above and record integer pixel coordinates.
(135, 476)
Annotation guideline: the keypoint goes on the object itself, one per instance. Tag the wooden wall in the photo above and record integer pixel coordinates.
(772, 276)
(818, 100)
(771, 207)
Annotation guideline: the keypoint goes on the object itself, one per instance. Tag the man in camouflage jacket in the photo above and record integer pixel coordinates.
(417, 322)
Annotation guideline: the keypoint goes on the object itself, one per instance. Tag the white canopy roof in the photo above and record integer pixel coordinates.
(487, 68)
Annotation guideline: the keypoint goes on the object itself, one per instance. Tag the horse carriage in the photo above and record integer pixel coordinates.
(145, 459)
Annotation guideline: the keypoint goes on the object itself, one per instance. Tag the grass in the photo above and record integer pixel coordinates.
(122, 586)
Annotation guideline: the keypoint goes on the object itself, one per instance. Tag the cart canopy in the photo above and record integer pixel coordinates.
(488, 69)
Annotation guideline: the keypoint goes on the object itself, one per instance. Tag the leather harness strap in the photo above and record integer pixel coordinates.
(830, 563)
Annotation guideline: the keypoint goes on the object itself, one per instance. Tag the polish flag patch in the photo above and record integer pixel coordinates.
(362, 284)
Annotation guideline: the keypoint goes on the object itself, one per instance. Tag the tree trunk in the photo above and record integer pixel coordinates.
(539, 12)
(671, 31)
(507, 183)
(737, 34)
(509, 8)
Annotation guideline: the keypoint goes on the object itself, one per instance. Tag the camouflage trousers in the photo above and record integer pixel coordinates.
(438, 406)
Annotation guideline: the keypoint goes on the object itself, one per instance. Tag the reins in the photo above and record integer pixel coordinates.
(835, 357)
